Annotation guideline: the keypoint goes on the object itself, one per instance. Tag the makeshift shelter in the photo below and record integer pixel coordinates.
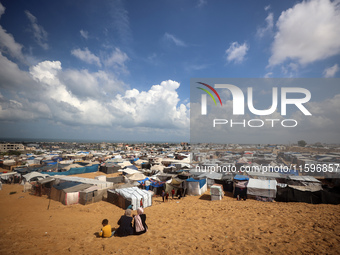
(100, 184)
(159, 167)
(136, 177)
(109, 168)
(76, 170)
(68, 192)
(130, 196)
(196, 187)
(153, 185)
(174, 183)
(240, 186)
(34, 176)
(91, 195)
(128, 171)
(125, 164)
(212, 177)
(216, 192)
(305, 189)
(262, 188)
(42, 187)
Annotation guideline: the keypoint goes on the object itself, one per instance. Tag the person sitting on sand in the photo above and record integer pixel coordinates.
(106, 230)
(140, 226)
(125, 224)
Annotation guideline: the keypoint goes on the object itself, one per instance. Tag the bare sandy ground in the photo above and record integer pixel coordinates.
(193, 225)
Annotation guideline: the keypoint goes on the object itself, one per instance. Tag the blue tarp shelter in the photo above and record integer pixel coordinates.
(241, 177)
(78, 170)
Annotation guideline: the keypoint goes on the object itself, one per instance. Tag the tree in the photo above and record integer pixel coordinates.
(302, 143)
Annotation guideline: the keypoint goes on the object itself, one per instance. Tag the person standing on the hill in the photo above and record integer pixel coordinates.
(172, 193)
(163, 194)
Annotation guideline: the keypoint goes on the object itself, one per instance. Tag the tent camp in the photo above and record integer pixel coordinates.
(262, 188)
(196, 187)
(130, 196)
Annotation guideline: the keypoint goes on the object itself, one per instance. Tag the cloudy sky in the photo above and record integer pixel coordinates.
(120, 70)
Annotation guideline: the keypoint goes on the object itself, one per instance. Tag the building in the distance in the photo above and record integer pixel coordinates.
(11, 147)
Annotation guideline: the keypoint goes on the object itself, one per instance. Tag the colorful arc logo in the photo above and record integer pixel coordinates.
(209, 93)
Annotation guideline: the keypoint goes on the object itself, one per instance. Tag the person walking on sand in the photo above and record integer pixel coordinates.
(140, 226)
(167, 196)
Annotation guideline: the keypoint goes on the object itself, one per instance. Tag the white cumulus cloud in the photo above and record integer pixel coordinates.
(157, 107)
(307, 32)
(237, 52)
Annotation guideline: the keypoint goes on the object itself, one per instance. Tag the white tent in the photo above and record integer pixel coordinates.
(124, 164)
(133, 196)
(216, 192)
(196, 187)
(140, 162)
(263, 188)
(28, 177)
(128, 171)
(136, 176)
(157, 168)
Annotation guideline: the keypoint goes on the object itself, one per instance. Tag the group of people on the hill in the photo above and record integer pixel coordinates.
(128, 225)
(165, 195)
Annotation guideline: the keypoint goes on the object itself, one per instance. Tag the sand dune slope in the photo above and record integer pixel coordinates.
(193, 225)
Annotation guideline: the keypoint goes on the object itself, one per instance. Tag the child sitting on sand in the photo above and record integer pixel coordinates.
(106, 230)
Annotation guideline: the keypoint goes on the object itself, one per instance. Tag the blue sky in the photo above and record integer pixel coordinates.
(120, 70)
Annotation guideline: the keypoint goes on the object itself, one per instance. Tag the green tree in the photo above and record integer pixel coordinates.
(302, 143)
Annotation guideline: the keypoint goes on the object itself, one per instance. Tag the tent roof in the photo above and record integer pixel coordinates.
(132, 192)
(266, 175)
(65, 185)
(303, 178)
(241, 177)
(125, 163)
(31, 175)
(72, 166)
(46, 180)
(136, 176)
(78, 188)
(212, 175)
(128, 171)
(262, 184)
(157, 167)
